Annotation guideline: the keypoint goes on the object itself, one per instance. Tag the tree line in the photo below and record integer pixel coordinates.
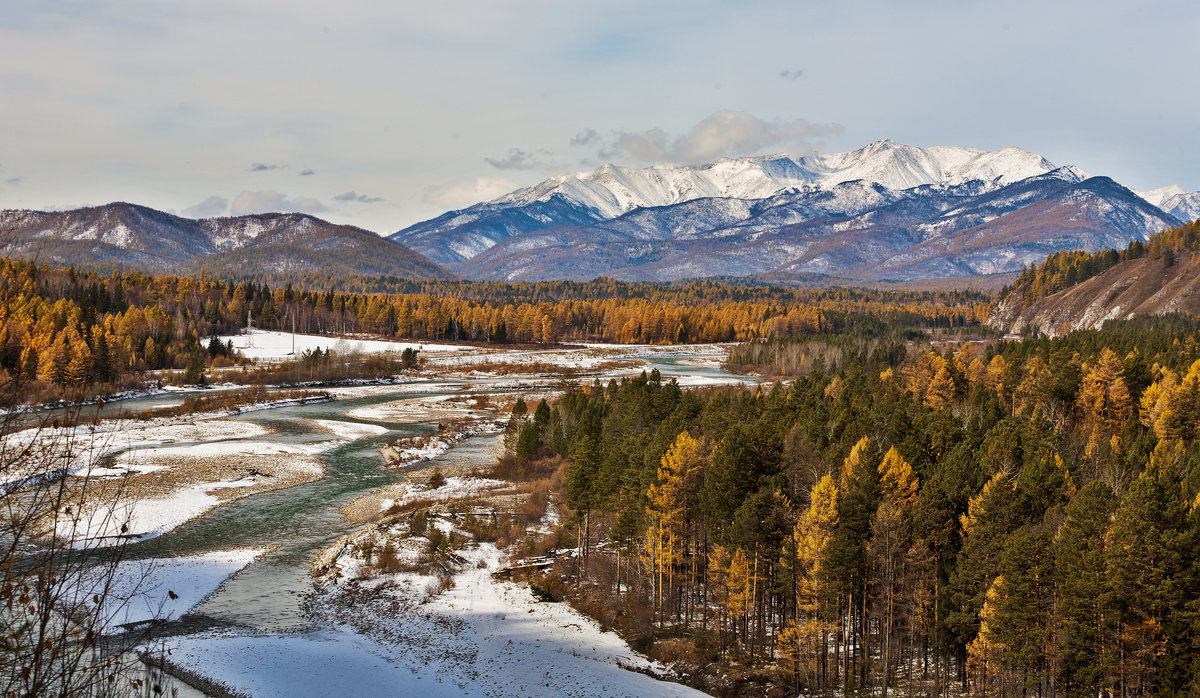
(67, 330)
(1006, 519)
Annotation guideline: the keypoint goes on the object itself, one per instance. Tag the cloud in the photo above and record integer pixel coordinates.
(725, 133)
(466, 192)
(354, 196)
(13, 180)
(249, 202)
(585, 137)
(307, 173)
(520, 160)
(263, 167)
(209, 208)
(791, 74)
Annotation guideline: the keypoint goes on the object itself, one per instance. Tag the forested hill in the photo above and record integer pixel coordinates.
(999, 519)
(269, 247)
(1075, 289)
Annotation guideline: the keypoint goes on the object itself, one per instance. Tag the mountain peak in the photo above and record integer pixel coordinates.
(612, 190)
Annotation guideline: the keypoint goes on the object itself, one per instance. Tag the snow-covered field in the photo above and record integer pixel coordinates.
(481, 637)
(262, 345)
(146, 586)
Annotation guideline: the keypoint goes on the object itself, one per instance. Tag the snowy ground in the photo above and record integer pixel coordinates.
(455, 487)
(480, 637)
(146, 586)
(274, 346)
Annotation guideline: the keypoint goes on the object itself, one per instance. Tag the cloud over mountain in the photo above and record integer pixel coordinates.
(725, 133)
(249, 202)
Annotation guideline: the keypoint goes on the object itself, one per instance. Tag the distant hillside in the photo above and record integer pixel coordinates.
(263, 246)
(1075, 290)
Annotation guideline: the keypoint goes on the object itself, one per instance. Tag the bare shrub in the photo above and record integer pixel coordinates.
(419, 523)
(509, 468)
(386, 562)
(63, 584)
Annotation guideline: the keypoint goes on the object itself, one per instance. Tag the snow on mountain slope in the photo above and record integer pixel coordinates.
(127, 235)
(613, 190)
(1184, 205)
(898, 166)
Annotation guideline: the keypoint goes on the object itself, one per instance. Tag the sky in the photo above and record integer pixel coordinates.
(384, 114)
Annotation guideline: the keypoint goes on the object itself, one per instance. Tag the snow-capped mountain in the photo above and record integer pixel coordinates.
(611, 190)
(127, 235)
(883, 211)
(581, 198)
(1181, 204)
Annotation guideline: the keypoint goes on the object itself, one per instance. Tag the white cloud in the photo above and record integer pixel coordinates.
(264, 167)
(466, 192)
(209, 208)
(355, 196)
(587, 136)
(520, 160)
(725, 133)
(249, 202)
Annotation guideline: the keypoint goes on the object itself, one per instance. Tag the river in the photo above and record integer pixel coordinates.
(268, 596)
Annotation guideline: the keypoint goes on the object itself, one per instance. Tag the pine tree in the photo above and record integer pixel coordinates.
(1145, 552)
(512, 431)
(1021, 621)
(1083, 643)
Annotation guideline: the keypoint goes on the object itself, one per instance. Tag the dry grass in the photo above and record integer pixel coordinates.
(509, 468)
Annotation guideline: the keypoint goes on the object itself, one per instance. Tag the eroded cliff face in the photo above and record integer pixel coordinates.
(1144, 286)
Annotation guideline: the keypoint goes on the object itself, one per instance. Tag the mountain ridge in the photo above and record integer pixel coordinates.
(888, 200)
(122, 234)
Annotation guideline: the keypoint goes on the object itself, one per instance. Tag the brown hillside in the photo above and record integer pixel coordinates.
(1142, 286)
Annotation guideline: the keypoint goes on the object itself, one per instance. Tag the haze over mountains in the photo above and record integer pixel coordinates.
(885, 211)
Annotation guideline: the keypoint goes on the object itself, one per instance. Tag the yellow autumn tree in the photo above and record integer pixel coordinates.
(940, 393)
(899, 480)
(852, 462)
(666, 510)
(803, 638)
(1103, 400)
(738, 581)
(994, 377)
(1171, 405)
(983, 654)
